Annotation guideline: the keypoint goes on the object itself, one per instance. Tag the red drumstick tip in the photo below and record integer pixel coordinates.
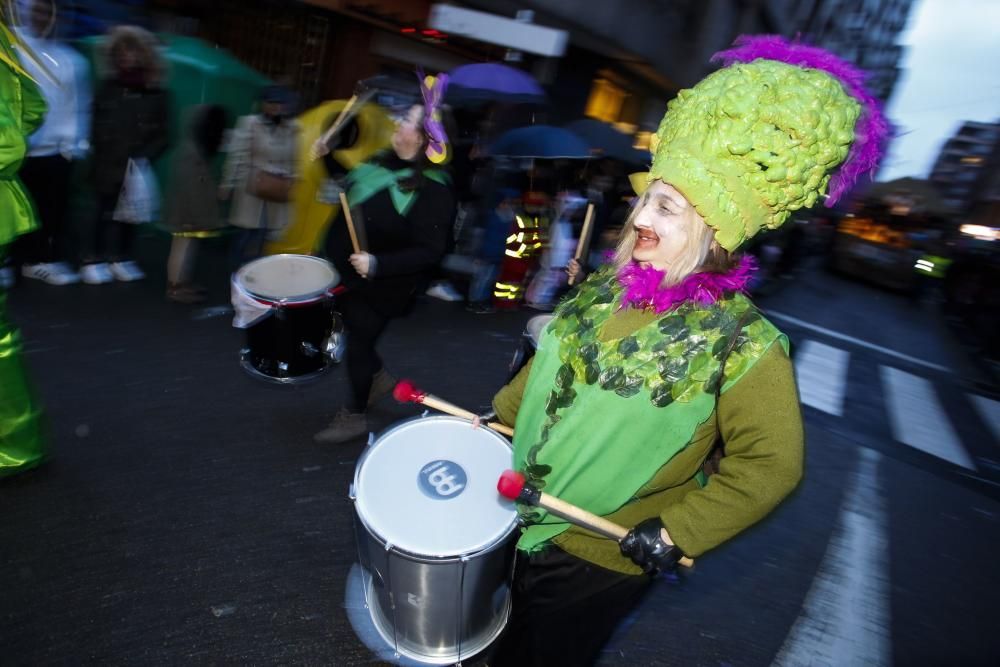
(510, 484)
(407, 392)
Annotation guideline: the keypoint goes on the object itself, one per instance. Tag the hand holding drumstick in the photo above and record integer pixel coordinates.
(648, 544)
(407, 392)
(575, 271)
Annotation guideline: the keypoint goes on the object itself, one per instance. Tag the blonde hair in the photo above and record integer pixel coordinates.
(701, 252)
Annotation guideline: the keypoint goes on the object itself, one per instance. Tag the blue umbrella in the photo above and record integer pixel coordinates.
(492, 82)
(540, 141)
(606, 141)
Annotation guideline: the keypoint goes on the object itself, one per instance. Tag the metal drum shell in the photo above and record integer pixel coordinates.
(434, 609)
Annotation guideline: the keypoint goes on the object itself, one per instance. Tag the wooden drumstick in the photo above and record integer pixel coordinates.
(346, 114)
(341, 118)
(512, 485)
(350, 223)
(407, 392)
(584, 240)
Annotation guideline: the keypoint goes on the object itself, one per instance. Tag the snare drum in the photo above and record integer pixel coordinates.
(289, 344)
(434, 537)
(529, 343)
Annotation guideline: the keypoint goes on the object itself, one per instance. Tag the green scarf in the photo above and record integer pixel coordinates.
(368, 179)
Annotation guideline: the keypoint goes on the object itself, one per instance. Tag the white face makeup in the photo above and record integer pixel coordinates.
(408, 139)
(662, 225)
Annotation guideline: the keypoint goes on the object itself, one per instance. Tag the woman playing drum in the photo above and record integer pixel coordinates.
(660, 352)
(407, 210)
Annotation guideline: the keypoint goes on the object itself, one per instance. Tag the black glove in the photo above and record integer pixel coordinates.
(644, 545)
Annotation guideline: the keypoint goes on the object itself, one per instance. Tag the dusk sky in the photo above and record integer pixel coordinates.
(951, 74)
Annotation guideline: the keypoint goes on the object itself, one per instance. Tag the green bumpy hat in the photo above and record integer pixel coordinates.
(761, 138)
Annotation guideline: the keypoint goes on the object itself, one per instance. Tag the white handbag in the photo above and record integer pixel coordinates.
(139, 199)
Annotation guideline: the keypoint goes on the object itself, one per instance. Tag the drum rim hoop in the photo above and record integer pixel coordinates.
(305, 299)
(499, 541)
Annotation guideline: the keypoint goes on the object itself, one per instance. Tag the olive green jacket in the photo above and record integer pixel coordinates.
(22, 109)
(760, 420)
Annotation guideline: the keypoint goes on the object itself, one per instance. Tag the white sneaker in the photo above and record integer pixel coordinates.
(96, 274)
(444, 291)
(126, 271)
(55, 273)
(66, 268)
(6, 277)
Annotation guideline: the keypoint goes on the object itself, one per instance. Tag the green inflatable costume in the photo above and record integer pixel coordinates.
(21, 112)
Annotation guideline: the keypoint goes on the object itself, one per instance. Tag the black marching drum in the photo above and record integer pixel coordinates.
(291, 343)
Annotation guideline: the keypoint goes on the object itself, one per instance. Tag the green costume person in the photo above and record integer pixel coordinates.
(22, 109)
(661, 353)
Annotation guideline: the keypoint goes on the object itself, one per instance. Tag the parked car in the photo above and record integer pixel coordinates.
(874, 250)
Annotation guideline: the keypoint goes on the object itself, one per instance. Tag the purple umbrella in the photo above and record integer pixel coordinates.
(492, 82)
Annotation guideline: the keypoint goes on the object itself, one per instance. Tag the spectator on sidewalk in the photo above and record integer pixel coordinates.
(259, 174)
(22, 109)
(550, 277)
(193, 207)
(129, 121)
(54, 148)
(490, 254)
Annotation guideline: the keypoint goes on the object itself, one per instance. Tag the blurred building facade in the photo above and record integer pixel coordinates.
(639, 53)
(864, 32)
(985, 206)
(624, 61)
(967, 169)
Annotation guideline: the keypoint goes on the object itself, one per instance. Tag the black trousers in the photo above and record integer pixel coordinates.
(119, 236)
(365, 326)
(564, 610)
(47, 179)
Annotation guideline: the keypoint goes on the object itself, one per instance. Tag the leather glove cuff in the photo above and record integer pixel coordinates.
(645, 546)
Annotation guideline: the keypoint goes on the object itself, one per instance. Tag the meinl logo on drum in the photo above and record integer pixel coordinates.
(442, 480)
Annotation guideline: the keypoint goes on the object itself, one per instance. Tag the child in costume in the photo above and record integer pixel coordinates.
(22, 110)
(660, 352)
(405, 206)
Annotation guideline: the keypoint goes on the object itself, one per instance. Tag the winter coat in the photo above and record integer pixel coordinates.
(127, 122)
(193, 201)
(22, 110)
(258, 144)
(406, 247)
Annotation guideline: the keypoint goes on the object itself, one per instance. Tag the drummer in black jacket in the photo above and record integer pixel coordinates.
(405, 207)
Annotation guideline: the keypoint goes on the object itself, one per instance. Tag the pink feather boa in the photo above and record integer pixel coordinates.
(643, 290)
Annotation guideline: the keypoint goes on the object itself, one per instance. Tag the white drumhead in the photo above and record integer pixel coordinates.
(287, 277)
(429, 486)
(536, 325)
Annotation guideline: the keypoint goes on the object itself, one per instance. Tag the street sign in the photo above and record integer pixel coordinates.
(498, 30)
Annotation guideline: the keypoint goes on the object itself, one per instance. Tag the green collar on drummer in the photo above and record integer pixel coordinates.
(368, 179)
